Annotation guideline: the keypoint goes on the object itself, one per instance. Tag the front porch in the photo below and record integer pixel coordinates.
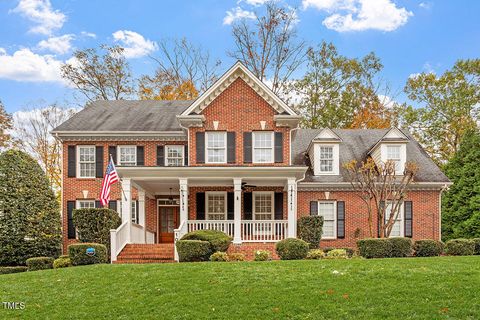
(259, 207)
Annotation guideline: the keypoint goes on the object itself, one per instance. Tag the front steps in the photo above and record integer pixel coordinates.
(147, 253)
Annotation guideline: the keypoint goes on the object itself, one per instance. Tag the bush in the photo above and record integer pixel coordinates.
(193, 250)
(309, 229)
(427, 248)
(16, 269)
(62, 263)
(350, 251)
(218, 240)
(219, 257)
(374, 248)
(236, 257)
(94, 225)
(292, 249)
(315, 254)
(39, 263)
(262, 255)
(477, 245)
(460, 247)
(77, 253)
(337, 254)
(400, 247)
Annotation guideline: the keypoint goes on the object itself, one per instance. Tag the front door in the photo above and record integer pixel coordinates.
(168, 221)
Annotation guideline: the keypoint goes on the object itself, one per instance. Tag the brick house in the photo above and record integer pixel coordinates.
(234, 160)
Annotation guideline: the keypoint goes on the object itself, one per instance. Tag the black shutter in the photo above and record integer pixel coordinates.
(200, 146)
(112, 204)
(230, 206)
(185, 155)
(382, 205)
(99, 162)
(136, 212)
(140, 156)
(278, 146)
(160, 156)
(408, 218)
(247, 147)
(231, 147)
(71, 227)
(313, 208)
(340, 219)
(278, 205)
(200, 206)
(112, 152)
(72, 161)
(247, 205)
(98, 204)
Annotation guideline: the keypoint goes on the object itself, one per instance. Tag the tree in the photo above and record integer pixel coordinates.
(268, 46)
(449, 106)
(32, 129)
(183, 71)
(29, 212)
(461, 203)
(5, 126)
(376, 184)
(105, 77)
(339, 92)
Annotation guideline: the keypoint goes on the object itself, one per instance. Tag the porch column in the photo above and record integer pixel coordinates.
(237, 212)
(141, 213)
(292, 207)
(127, 206)
(183, 200)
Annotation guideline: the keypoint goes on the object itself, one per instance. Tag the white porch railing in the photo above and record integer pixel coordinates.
(118, 240)
(264, 230)
(150, 237)
(177, 235)
(226, 226)
(137, 234)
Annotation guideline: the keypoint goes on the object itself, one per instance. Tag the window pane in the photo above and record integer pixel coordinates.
(216, 139)
(128, 155)
(216, 206)
(263, 147)
(328, 229)
(327, 211)
(263, 155)
(174, 156)
(263, 139)
(326, 152)
(216, 155)
(86, 204)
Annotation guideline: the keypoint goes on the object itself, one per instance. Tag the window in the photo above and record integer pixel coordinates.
(85, 204)
(326, 158)
(174, 156)
(216, 205)
(134, 214)
(397, 229)
(326, 209)
(263, 205)
(127, 155)
(216, 147)
(393, 154)
(86, 161)
(262, 147)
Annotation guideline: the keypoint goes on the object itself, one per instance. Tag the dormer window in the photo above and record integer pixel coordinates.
(394, 154)
(326, 159)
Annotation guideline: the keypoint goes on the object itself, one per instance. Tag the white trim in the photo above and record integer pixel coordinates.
(165, 158)
(334, 202)
(207, 194)
(78, 160)
(119, 155)
(272, 195)
(272, 148)
(77, 204)
(133, 207)
(225, 147)
(335, 163)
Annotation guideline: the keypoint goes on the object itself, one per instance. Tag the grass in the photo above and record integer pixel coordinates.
(408, 288)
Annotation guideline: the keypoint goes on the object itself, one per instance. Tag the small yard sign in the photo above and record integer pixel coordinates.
(90, 252)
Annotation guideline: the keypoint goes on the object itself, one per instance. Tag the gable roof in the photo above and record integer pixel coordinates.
(238, 70)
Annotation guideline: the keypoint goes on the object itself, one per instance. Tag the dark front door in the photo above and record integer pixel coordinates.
(168, 221)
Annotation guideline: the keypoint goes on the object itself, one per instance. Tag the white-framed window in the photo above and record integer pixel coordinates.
(327, 209)
(263, 151)
(86, 161)
(394, 154)
(216, 147)
(85, 204)
(263, 205)
(174, 156)
(133, 212)
(326, 159)
(397, 229)
(216, 205)
(127, 155)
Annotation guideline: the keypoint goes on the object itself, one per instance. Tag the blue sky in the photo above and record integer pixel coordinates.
(36, 36)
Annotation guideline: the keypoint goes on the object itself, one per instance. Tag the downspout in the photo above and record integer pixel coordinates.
(444, 188)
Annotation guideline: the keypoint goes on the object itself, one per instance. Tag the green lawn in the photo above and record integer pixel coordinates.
(408, 288)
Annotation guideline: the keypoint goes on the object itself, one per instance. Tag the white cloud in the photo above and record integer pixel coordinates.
(360, 15)
(237, 14)
(42, 14)
(255, 3)
(135, 44)
(60, 45)
(425, 5)
(88, 34)
(25, 65)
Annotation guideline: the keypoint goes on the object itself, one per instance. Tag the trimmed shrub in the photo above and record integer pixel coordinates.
(39, 263)
(262, 255)
(477, 246)
(315, 254)
(292, 249)
(350, 251)
(400, 247)
(460, 247)
(337, 254)
(427, 248)
(16, 269)
(219, 257)
(78, 253)
(218, 240)
(193, 250)
(236, 256)
(94, 225)
(374, 248)
(309, 229)
(62, 263)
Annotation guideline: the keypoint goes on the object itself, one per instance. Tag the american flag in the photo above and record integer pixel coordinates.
(110, 178)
